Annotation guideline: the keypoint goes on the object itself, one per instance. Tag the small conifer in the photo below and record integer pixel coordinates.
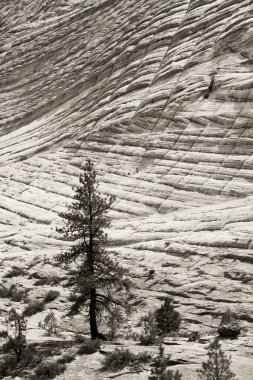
(168, 319)
(160, 372)
(217, 367)
(150, 331)
(15, 333)
(229, 325)
(50, 324)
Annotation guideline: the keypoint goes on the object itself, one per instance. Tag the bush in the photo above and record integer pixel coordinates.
(160, 372)
(114, 321)
(50, 280)
(194, 336)
(15, 333)
(50, 324)
(17, 295)
(34, 308)
(49, 370)
(132, 335)
(4, 292)
(13, 293)
(79, 338)
(90, 346)
(66, 359)
(51, 295)
(151, 273)
(7, 364)
(167, 318)
(30, 358)
(150, 335)
(229, 318)
(228, 332)
(217, 366)
(121, 358)
(15, 272)
(229, 325)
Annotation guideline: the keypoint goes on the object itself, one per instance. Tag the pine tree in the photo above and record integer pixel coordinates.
(114, 320)
(229, 325)
(217, 366)
(50, 324)
(160, 372)
(150, 333)
(15, 333)
(97, 277)
(167, 318)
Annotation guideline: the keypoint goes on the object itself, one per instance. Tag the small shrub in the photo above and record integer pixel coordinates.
(151, 273)
(66, 359)
(229, 318)
(50, 280)
(79, 338)
(121, 358)
(15, 334)
(229, 325)
(49, 370)
(15, 272)
(183, 334)
(4, 292)
(228, 332)
(33, 274)
(13, 293)
(115, 319)
(150, 333)
(210, 331)
(194, 336)
(217, 365)
(90, 346)
(30, 358)
(34, 308)
(132, 335)
(17, 295)
(244, 331)
(50, 324)
(169, 264)
(51, 295)
(7, 364)
(167, 318)
(160, 372)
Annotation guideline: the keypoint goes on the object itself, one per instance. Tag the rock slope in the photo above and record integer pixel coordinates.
(159, 95)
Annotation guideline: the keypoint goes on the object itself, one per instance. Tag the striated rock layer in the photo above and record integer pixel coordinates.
(159, 95)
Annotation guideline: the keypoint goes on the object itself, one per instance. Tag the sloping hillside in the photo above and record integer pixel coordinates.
(159, 96)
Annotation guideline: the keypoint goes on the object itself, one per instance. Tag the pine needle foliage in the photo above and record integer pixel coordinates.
(98, 281)
(15, 333)
(229, 325)
(50, 324)
(159, 371)
(120, 358)
(115, 319)
(150, 330)
(168, 319)
(217, 367)
(229, 318)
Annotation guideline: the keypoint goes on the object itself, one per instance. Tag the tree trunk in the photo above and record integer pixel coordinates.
(93, 320)
(18, 356)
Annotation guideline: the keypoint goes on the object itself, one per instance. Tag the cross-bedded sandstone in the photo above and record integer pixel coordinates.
(159, 95)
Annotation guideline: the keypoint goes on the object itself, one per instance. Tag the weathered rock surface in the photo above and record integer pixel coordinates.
(159, 96)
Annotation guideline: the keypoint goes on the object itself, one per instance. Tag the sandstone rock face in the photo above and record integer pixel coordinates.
(159, 95)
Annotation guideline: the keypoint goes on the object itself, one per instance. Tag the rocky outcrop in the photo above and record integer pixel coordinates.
(159, 96)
